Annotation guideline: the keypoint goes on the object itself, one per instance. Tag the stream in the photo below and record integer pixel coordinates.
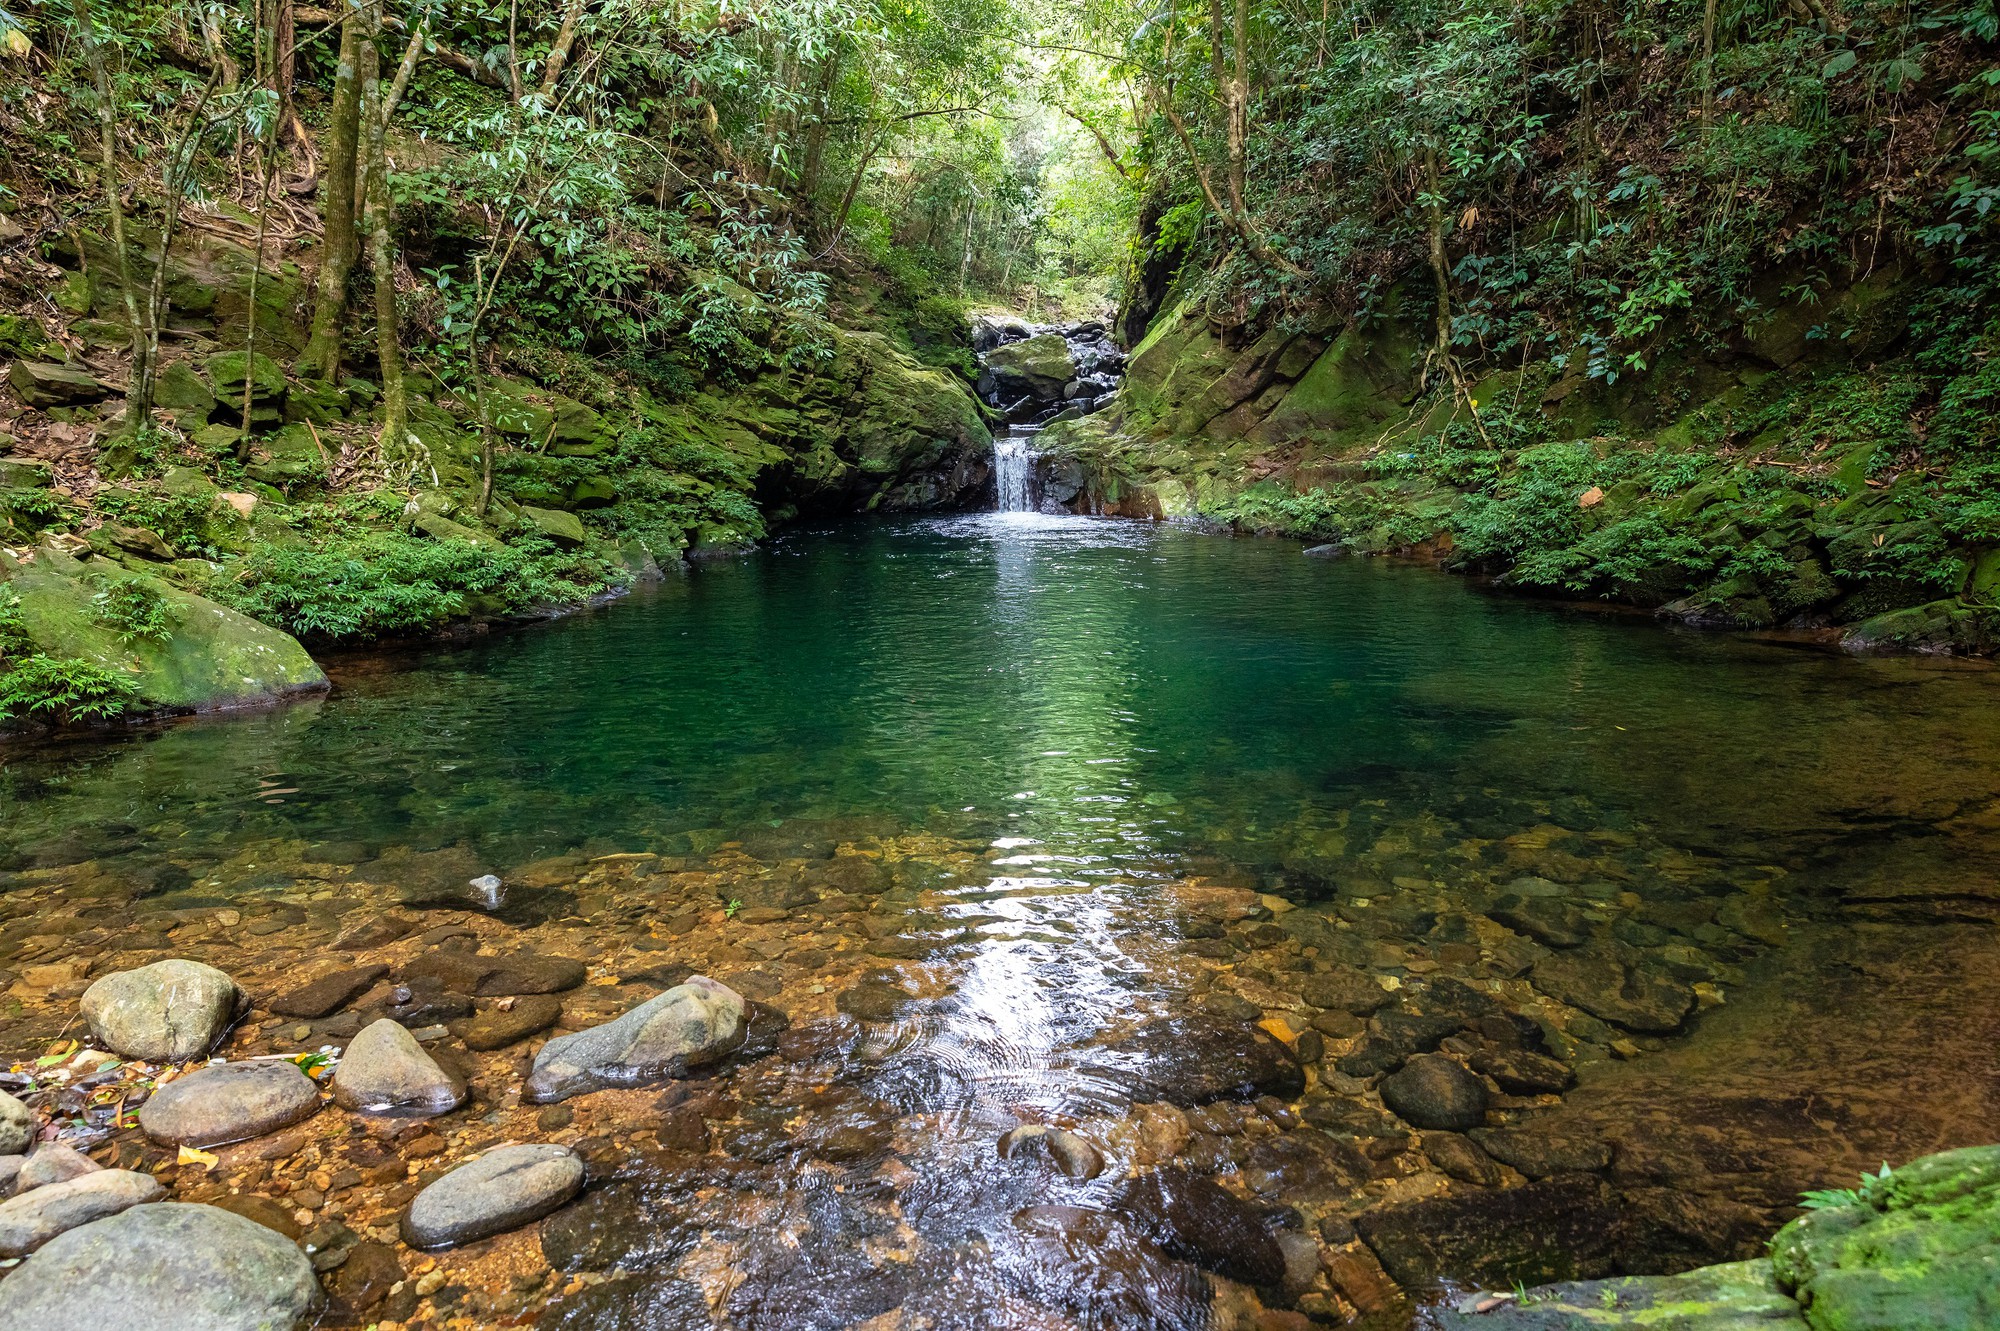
(1112, 896)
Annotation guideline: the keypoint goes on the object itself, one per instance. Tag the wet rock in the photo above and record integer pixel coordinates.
(618, 1226)
(168, 1012)
(1189, 1217)
(811, 1285)
(845, 1127)
(1304, 1166)
(385, 1071)
(1394, 1036)
(1194, 1060)
(1344, 989)
(1639, 997)
(873, 1000)
(329, 993)
(504, 1189)
(424, 1001)
(1550, 921)
(1558, 1229)
(1459, 1157)
(33, 1218)
(1355, 1118)
(1071, 1155)
(53, 1162)
(530, 973)
(229, 1102)
(1084, 1264)
(1519, 1072)
(1434, 1092)
(1742, 1296)
(17, 1125)
(165, 1267)
(632, 1303)
(271, 1215)
(365, 1279)
(1542, 1152)
(686, 1027)
(497, 1027)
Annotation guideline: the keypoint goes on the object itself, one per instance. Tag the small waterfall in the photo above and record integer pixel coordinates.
(1036, 375)
(1014, 468)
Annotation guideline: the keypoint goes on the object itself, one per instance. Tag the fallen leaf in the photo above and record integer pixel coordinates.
(190, 1156)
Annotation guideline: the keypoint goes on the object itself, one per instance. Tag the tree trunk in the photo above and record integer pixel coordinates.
(139, 394)
(559, 53)
(1708, 65)
(321, 358)
(375, 225)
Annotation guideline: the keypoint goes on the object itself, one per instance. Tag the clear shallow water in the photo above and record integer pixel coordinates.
(1004, 789)
(1117, 695)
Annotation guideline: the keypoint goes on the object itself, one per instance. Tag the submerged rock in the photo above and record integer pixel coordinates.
(501, 1190)
(168, 1012)
(1189, 1061)
(164, 1267)
(230, 1102)
(33, 1218)
(329, 993)
(496, 1028)
(385, 1071)
(1559, 1229)
(1070, 1154)
(688, 1026)
(1636, 996)
(1192, 1218)
(1435, 1093)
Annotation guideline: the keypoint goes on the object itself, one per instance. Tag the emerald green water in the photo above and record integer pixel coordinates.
(1122, 695)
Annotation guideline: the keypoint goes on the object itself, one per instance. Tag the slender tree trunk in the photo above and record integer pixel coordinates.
(854, 187)
(375, 225)
(407, 66)
(1441, 274)
(321, 358)
(270, 169)
(1708, 65)
(1239, 110)
(815, 150)
(559, 53)
(139, 394)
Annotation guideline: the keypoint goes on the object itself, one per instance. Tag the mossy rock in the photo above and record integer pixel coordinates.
(72, 294)
(1740, 1296)
(25, 474)
(23, 337)
(180, 388)
(228, 370)
(1919, 1252)
(1037, 366)
(593, 492)
(215, 658)
(317, 401)
(1942, 627)
(563, 528)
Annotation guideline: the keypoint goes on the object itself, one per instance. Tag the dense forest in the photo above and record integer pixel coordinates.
(369, 320)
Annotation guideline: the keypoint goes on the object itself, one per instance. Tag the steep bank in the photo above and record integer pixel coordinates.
(298, 528)
(1827, 473)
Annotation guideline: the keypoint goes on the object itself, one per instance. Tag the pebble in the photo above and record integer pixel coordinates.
(501, 1190)
(168, 1012)
(53, 1162)
(17, 1125)
(229, 1102)
(686, 1027)
(33, 1218)
(385, 1071)
(166, 1267)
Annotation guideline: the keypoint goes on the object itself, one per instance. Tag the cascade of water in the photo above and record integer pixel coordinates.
(1014, 468)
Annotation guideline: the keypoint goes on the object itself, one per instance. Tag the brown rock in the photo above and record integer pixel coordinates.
(329, 993)
(496, 1028)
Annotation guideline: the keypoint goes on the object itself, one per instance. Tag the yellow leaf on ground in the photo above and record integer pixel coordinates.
(190, 1156)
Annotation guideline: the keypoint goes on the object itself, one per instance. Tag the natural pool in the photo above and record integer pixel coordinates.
(1181, 842)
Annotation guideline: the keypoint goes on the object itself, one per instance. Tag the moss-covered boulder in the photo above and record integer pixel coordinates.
(184, 653)
(1916, 1251)
(1037, 367)
(1742, 1296)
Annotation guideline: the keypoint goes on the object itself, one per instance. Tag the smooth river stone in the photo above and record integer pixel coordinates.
(168, 1012)
(496, 1028)
(501, 1190)
(385, 1071)
(686, 1027)
(33, 1218)
(170, 1266)
(17, 1125)
(230, 1102)
(53, 1162)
